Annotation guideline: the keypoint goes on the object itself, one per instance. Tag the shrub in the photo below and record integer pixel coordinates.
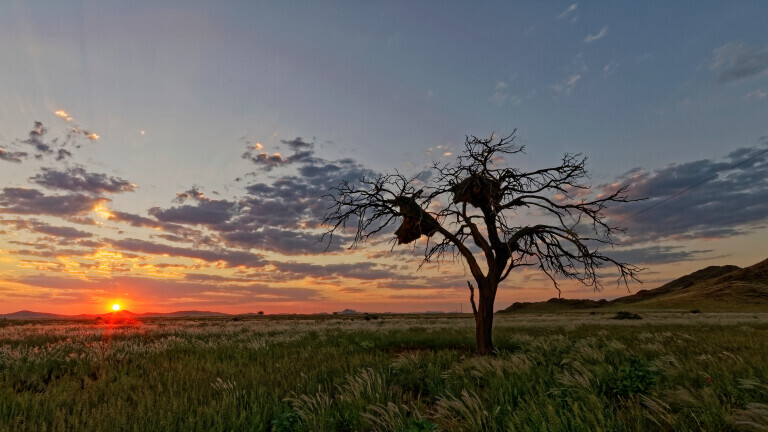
(634, 378)
(624, 315)
(287, 421)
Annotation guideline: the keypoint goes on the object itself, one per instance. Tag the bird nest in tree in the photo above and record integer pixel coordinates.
(416, 221)
(481, 192)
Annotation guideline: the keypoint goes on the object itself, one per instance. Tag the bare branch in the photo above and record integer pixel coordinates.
(472, 298)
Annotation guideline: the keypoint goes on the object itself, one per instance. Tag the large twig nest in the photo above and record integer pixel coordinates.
(481, 192)
(416, 221)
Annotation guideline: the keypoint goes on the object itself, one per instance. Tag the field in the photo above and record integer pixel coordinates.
(579, 372)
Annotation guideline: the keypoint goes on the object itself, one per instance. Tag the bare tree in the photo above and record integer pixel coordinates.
(475, 209)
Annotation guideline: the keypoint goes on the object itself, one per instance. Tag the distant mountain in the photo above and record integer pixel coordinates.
(714, 288)
(25, 314)
(348, 312)
(181, 314)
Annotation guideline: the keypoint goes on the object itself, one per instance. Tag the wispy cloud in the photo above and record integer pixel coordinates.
(501, 96)
(44, 147)
(657, 254)
(567, 85)
(569, 11)
(601, 34)
(231, 258)
(500, 93)
(37, 139)
(77, 129)
(610, 68)
(167, 292)
(737, 62)
(37, 226)
(12, 156)
(756, 94)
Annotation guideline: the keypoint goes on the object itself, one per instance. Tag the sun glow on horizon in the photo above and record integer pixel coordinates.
(115, 307)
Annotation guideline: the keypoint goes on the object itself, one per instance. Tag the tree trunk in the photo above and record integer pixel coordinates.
(484, 318)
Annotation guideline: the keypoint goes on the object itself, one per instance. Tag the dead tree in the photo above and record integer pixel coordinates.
(477, 209)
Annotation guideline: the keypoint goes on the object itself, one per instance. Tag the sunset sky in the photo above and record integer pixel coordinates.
(173, 155)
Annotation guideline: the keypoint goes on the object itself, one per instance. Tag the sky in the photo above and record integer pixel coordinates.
(174, 155)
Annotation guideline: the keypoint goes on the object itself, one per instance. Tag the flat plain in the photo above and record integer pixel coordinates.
(672, 370)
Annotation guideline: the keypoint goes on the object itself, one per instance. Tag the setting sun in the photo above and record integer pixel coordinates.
(115, 307)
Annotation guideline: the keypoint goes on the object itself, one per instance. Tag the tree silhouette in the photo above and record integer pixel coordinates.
(477, 210)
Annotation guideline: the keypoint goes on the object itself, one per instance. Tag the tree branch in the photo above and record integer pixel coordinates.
(472, 298)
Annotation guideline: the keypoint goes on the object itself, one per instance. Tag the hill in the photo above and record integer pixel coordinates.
(25, 314)
(123, 314)
(714, 288)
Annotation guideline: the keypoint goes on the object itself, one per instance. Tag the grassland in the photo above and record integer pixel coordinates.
(574, 372)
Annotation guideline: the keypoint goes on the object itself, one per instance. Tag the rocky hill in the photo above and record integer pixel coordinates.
(714, 288)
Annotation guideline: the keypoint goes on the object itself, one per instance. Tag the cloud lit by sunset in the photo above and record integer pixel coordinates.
(63, 114)
(102, 210)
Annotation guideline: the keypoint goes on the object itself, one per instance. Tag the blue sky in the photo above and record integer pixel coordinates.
(176, 91)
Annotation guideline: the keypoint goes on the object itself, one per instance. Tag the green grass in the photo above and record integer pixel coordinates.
(578, 372)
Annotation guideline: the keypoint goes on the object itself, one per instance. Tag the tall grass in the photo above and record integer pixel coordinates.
(551, 373)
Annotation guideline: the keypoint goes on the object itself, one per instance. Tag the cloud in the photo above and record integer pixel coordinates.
(193, 193)
(36, 136)
(204, 212)
(610, 68)
(734, 203)
(230, 257)
(202, 277)
(47, 229)
(568, 11)
(282, 215)
(63, 154)
(145, 222)
(298, 144)
(58, 147)
(265, 160)
(656, 254)
(275, 239)
(739, 62)
(12, 156)
(63, 114)
(302, 152)
(169, 292)
(34, 202)
(364, 270)
(77, 179)
(135, 220)
(756, 94)
(601, 34)
(500, 94)
(50, 252)
(567, 85)
(90, 244)
(78, 129)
